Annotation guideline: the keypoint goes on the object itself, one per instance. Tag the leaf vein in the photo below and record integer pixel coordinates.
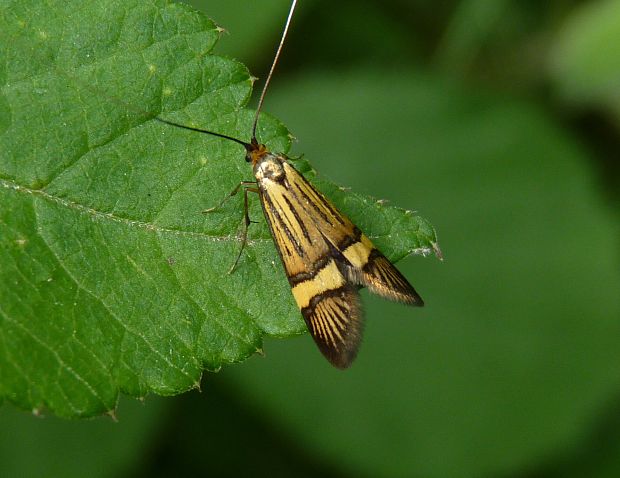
(62, 364)
(112, 314)
(105, 216)
(231, 331)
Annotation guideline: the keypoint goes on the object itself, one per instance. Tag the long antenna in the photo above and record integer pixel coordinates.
(273, 67)
(247, 146)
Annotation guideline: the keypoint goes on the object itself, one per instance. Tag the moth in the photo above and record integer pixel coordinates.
(327, 259)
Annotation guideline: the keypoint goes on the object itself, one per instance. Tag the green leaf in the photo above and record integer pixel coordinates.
(111, 279)
(252, 27)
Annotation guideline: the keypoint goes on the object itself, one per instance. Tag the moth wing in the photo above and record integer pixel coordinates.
(335, 321)
(367, 266)
(328, 301)
(360, 261)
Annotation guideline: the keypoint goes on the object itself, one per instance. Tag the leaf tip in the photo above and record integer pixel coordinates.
(112, 414)
(437, 250)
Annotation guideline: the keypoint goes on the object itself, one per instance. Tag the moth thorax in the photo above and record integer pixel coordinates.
(269, 167)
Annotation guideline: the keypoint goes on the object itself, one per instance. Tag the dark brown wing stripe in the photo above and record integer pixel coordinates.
(314, 198)
(335, 322)
(382, 278)
(349, 240)
(300, 222)
(308, 275)
(303, 197)
(273, 210)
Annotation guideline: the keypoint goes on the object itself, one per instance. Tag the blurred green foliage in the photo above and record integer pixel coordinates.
(500, 124)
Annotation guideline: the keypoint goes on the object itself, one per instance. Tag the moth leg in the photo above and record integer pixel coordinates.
(246, 223)
(231, 194)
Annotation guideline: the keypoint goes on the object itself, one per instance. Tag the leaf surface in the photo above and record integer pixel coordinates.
(112, 279)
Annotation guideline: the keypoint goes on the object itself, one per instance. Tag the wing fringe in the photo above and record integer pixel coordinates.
(334, 319)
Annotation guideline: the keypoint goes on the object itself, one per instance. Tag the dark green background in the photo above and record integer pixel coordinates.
(497, 121)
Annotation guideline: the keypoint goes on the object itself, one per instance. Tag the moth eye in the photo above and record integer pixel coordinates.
(248, 158)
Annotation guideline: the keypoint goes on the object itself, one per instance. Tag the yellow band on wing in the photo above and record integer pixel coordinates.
(358, 252)
(326, 279)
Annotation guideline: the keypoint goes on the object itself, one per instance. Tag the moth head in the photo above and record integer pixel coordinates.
(255, 152)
